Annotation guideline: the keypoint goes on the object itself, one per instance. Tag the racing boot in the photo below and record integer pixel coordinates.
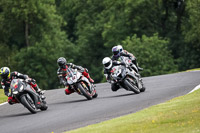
(39, 91)
(136, 64)
(68, 91)
(114, 87)
(12, 100)
(140, 69)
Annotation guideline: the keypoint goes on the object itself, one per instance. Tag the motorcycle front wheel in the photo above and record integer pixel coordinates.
(131, 86)
(28, 103)
(84, 90)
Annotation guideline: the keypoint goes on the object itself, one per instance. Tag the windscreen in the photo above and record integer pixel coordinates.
(15, 84)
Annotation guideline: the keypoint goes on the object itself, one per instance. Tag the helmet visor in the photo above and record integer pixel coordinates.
(107, 64)
(61, 63)
(4, 76)
(115, 52)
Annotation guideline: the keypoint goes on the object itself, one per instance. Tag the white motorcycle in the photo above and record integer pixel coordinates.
(80, 84)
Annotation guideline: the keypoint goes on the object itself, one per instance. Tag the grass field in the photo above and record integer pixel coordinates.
(179, 115)
(3, 98)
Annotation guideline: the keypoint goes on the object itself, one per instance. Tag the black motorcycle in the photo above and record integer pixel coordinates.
(26, 95)
(127, 78)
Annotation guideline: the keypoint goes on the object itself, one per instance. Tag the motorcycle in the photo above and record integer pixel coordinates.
(126, 77)
(80, 84)
(26, 95)
(135, 70)
(128, 62)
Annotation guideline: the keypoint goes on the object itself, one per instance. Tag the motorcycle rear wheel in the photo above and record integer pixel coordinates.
(95, 95)
(30, 106)
(44, 106)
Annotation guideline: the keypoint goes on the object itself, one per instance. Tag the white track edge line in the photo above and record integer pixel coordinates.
(196, 88)
(3, 103)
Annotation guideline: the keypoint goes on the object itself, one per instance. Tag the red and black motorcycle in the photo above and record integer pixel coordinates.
(80, 84)
(26, 95)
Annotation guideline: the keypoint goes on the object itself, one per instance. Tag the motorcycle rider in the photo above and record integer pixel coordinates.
(8, 76)
(119, 51)
(108, 64)
(62, 73)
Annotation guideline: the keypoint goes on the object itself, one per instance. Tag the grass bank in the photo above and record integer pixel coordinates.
(179, 115)
(196, 69)
(3, 98)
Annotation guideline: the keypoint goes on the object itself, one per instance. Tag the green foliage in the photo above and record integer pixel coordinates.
(45, 41)
(34, 33)
(4, 55)
(152, 54)
(40, 61)
(191, 31)
(87, 29)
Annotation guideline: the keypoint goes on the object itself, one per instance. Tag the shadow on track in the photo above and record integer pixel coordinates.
(122, 95)
(17, 115)
(67, 102)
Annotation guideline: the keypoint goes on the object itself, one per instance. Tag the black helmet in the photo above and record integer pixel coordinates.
(61, 61)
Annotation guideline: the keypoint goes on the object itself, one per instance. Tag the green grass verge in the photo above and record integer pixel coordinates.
(193, 69)
(3, 98)
(179, 115)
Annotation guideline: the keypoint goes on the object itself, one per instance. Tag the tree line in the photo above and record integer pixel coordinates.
(162, 34)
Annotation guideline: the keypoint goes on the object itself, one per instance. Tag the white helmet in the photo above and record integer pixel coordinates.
(107, 62)
(120, 48)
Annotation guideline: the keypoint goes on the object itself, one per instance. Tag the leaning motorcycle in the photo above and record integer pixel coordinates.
(127, 78)
(135, 70)
(26, 95)
(80, 84)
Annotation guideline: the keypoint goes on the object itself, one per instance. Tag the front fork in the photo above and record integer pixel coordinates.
(90, 86)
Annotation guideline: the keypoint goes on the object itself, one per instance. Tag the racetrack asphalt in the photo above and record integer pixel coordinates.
(67, 112)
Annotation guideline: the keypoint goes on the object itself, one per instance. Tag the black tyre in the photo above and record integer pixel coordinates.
(143, 89)
(85, 91)
(44, 106)
(131, 86)
(29, 104)
(95, 95)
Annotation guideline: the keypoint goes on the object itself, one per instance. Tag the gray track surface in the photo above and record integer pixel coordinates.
(74, 111)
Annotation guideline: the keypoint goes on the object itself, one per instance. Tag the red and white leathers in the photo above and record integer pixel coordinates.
(5, 83)
(62, 73)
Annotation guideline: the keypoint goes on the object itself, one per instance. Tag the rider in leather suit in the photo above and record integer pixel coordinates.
(108, 64)
(118, 51)
(62, 73)
(7, 77)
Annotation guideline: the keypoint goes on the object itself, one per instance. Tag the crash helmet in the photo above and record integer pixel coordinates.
(61, 61)
(107, 62)
(120, 48)
(116, 51)
(5, 72)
